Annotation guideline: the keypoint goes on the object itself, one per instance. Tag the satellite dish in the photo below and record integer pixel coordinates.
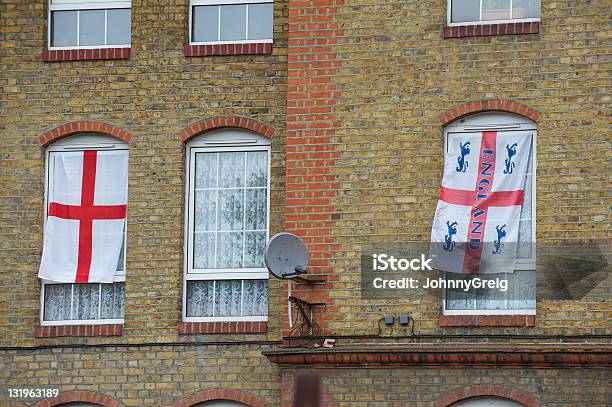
(286, 256)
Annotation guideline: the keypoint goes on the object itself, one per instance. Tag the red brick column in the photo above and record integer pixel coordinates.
(311, 126)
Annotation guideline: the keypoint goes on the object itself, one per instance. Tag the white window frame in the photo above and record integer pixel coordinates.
(81, 142)
(498, 121)
(222, 140)
(449, 23)
(76, 5)
(193, 3)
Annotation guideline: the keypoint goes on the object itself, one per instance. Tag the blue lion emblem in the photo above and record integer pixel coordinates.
(449, 244)
(511, 153)
(501, 233)
(463, 163)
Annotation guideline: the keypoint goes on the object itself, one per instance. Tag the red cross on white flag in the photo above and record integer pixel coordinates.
(86, 216)
(475, 228)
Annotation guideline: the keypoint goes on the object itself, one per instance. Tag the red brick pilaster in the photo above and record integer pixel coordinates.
(311, 155)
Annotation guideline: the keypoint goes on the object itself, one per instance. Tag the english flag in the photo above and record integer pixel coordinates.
(475, 228)
(87, 195)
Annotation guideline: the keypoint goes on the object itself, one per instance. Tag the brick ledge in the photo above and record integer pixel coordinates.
(78, 330)
(228, 49)
(487, 320)
(85, 54)
(223, 327)
(485, 30)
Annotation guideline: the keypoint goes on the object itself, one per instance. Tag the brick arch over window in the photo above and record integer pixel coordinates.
(217, 122)
(69, 129)
(220, 394)
(463, 393)
(488, 105)
(82, 396)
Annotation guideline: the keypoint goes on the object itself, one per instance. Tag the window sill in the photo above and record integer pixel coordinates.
(78, 330)
(487, 320)
(485, 30)
(260, 48)
(223, 327)
(85, 54)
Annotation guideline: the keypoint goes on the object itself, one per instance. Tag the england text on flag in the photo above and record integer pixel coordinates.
(475, 228)
(85, 217)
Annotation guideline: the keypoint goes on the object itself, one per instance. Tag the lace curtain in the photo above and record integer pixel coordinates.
(83, 301)
(227, 298)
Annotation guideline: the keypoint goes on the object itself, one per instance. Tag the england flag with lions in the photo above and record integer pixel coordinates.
(475, 228)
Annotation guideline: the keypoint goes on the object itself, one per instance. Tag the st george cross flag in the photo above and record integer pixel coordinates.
(475, 228)
(87, 195)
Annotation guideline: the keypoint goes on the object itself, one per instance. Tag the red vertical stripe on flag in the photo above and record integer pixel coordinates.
(86, 225)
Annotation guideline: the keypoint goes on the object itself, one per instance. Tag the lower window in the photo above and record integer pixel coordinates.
(83, 302)
(227, 298)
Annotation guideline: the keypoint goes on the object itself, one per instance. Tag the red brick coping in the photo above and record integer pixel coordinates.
(78, 330)
(69, 129)
(477, 390)
(223, 327)
(84, 396)
(221, 394)
(217, 122)
(484, 30)
(228, 49)
(488, 105)
(447, 356)
(87, 54)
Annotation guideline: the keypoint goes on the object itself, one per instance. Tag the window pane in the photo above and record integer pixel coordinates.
(525, 241)
(256, 209)
(204, 250)
(205, 210)
(465, 10)
(489, 298)
(231, 170)
(206, 170)
(525, 8)
(257, 169)
(205, 24)
(255, 244)
(255, 298)
(228, 294)
(260, 21)
(522, 289)
(121, 260)
(200, 298)
(85, 301)
(231, 209)
(58, 298)
(91, 27)
(229, 250)
(495, 9)
(119, 26)
(63, 28)
(456, 298)
(233, 22)
(112, 301)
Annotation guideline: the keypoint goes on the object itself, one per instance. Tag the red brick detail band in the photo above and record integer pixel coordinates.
(83, 396)
(485, 30)
(487, 320)
(88, 54)
(448, 356)
(488, 105)
(78, 330)
(217, 122)
(220, 394)
(478, 390)
(69, 129)
(227, 49)
(223, 327)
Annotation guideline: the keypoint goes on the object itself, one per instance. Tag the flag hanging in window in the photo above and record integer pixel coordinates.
(86, 212)
(476, 225)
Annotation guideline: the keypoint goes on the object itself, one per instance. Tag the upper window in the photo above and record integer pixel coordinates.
(520, 297)
(492, 11)
(227, 227)
(77, 24)
(90, 303)
(230, 21)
